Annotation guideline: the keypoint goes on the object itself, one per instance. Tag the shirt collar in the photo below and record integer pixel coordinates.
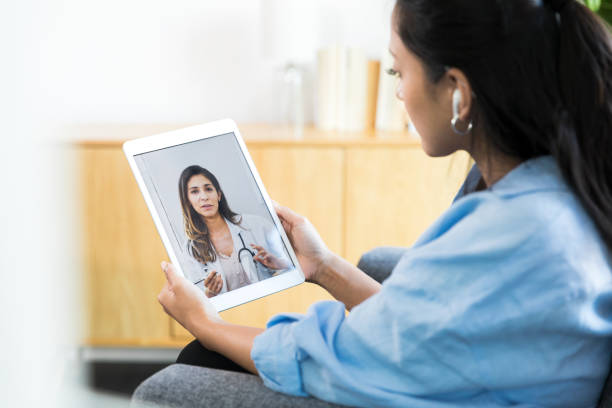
(235, 229)
(537, 174)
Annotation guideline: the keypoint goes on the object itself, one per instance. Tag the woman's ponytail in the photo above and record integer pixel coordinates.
(583, 143)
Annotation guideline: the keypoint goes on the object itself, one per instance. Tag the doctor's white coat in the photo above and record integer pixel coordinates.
(254, 229)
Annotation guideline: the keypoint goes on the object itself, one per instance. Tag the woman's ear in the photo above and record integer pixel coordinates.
(459, 93)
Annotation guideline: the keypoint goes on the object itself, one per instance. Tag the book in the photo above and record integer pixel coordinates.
(372, 93)
(326, 111)
(353, 82)
(390, 112)
(342, 89)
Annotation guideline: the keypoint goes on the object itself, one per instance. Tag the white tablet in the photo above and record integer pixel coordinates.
(213, 213)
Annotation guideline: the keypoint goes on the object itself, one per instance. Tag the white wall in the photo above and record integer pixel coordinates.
(154, 61)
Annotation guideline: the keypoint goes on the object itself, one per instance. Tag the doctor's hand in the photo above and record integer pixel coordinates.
(310, 249)
(213, 284)
(184, 302)
(267, 259)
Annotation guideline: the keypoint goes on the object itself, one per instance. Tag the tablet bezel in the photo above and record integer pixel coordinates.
(173, 138)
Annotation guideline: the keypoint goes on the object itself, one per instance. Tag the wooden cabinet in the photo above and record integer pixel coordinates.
(394, 194)
(359, 193)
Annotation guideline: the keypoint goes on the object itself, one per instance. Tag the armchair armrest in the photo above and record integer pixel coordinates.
(379, 262)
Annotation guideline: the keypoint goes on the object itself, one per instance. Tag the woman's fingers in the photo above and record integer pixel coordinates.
(258, 248)
(169, 271)
(184, 301)
(210, 278)
(161, 297)
(214, 283)
(286, 214)
(262, 255)
(219, 285)
(214, 286)
(261, 258)
(261, 252)
(164, 298)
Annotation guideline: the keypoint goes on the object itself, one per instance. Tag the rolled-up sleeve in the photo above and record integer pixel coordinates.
(278, 356)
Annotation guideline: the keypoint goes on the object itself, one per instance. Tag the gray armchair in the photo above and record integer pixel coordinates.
(195, 387)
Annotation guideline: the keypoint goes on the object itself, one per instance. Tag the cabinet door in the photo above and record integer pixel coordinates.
(309, 181)
(122, 254)
(394, 193)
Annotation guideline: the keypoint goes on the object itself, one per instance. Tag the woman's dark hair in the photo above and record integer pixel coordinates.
(542, 75)
(199, 244)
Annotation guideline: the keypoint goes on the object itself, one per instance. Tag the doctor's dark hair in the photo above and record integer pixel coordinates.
(199, 244)
(542, 75)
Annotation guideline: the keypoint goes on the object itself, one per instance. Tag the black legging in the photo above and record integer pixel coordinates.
(196, 354)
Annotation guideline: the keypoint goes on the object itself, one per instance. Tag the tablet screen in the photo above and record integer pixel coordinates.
(215, 215)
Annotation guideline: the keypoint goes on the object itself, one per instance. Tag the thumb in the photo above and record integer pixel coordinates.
(286, 214)
(169, 271)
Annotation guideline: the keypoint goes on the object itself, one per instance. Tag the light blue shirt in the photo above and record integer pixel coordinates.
(505, 300)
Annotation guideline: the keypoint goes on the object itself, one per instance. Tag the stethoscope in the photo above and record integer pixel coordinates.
(243, 249)
(248, 264)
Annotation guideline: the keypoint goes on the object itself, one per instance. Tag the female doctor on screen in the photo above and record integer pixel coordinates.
(225, 250)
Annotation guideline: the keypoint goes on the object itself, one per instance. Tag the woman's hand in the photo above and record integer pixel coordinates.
(267, 259)
(310, 249)
(213, 284)
(184, 302)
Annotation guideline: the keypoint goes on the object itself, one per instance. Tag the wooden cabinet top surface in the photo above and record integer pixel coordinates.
(109, 136)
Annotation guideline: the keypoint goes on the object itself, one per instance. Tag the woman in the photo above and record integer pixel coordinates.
(221, 243)
(505, 300)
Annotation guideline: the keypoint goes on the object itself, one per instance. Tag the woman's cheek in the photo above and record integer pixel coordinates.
(412, 106)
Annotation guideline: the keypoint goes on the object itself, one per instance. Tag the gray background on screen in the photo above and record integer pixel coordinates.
(222, 156)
